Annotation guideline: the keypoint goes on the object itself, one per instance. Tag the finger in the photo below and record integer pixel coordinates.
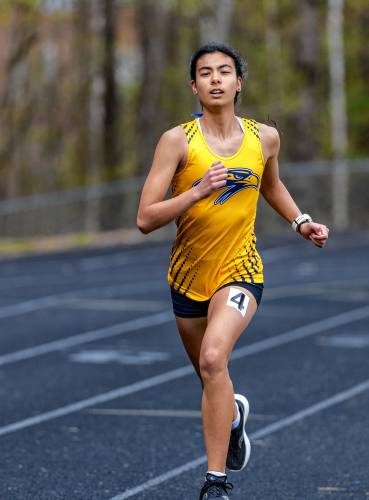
(219, 176)
(219, 184)
(217, 165)
(319, 243)
(319, 237)
(218, 171)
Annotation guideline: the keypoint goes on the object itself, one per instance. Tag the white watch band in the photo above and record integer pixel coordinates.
(296, 223)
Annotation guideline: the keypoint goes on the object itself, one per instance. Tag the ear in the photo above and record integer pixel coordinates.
(193, 86)
(239, 84)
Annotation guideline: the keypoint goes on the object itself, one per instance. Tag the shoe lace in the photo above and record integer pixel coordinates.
(215, 487)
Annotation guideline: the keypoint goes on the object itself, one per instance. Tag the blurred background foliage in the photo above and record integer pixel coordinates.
(88, 86)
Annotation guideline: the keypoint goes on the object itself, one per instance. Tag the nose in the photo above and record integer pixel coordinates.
(216, 77)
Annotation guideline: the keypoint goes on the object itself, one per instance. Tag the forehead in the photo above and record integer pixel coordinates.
(214, 59)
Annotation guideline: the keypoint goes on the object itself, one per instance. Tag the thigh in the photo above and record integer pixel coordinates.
(192, 332)
(230, 311)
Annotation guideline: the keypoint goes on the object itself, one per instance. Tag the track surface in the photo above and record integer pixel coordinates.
(98, 400)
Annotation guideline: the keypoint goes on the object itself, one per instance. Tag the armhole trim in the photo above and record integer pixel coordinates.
(253, 126)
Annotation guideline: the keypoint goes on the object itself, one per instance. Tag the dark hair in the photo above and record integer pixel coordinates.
(239, 62)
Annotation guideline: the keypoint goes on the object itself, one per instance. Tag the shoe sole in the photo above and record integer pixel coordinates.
(241, 399)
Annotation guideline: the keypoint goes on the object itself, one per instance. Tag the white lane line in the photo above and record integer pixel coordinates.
(97, 262)
(265, 431)
(310, 288)
(125, 412)
(103, 333)
(118, 304)
(90, 336)
(119, 259)
(278, 253)
(263, 345)
(131, 412)
(55, 299)
(100, 398)
(303, 332)
(58, 299)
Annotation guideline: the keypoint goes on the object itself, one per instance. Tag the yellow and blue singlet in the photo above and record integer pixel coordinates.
(215, 241)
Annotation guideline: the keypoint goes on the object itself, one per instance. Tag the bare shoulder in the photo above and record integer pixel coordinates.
(174, 137)
(270, 140)
(172, 148)
(269, 135)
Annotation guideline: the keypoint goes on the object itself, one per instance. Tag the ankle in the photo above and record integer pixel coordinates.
(217, 473)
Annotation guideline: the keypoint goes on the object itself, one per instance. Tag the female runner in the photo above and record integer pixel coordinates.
(217, 165)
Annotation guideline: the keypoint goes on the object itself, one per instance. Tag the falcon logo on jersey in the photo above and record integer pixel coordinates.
(238, 179)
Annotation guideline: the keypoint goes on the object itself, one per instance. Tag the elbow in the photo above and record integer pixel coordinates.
(142, 225)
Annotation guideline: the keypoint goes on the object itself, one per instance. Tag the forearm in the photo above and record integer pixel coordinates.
(160, 214)
(280, 199)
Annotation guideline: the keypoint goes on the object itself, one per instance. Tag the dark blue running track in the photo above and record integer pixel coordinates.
(98, 401)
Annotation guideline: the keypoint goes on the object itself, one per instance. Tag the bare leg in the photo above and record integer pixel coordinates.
(225, 325)
(192, 332)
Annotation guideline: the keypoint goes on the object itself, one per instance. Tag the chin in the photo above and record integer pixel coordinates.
(219, 104)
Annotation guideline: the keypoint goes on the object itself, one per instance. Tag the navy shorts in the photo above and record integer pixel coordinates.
(185, 307)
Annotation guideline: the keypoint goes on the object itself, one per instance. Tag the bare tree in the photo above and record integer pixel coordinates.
(96, 112)
(306, 55)
(215, 23)
(338, 112)
(275, 61)
(152, 19)
(16, 101)
(111, 109)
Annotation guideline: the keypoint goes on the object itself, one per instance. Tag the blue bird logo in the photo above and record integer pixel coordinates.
(238, 179)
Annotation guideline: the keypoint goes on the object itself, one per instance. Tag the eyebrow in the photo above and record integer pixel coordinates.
(219, 67)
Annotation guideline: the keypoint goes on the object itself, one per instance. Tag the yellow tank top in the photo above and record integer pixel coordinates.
(215, 241)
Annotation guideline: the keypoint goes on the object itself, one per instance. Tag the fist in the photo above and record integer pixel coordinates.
(317, 233)
(214, 178)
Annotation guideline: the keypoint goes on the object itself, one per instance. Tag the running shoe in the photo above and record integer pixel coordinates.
(239, 444)
(215, 487)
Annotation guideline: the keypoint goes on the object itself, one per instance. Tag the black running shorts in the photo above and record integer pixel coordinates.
(185, 307)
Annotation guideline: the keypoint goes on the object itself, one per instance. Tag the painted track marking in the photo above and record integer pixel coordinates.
(265, 431)
(90, 336)
(263, 345)
(54, 300)
(112, 330)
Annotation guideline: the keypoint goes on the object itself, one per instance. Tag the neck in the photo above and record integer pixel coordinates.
(221, 123)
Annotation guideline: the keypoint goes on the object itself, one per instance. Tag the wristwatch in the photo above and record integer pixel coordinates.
(296, 223)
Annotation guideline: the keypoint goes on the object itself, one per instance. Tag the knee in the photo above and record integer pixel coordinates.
(212, 363)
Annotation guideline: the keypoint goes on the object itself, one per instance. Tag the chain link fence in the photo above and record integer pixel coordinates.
(113, 206)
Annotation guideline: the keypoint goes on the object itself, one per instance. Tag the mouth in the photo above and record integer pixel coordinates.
(217, 92)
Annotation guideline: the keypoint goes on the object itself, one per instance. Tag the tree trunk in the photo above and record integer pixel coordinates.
(338, 113)
(275, 67)
(96, 114)
(152, 20)
(16, 102)
(111, 110)
(215, 24)
(307, 56)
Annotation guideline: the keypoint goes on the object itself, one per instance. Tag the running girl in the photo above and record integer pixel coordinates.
(217, 165)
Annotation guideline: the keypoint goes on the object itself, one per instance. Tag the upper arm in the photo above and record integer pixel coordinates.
(170, 152)
(270, 144)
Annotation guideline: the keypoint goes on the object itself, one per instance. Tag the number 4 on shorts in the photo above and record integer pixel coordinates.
(238, 300)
